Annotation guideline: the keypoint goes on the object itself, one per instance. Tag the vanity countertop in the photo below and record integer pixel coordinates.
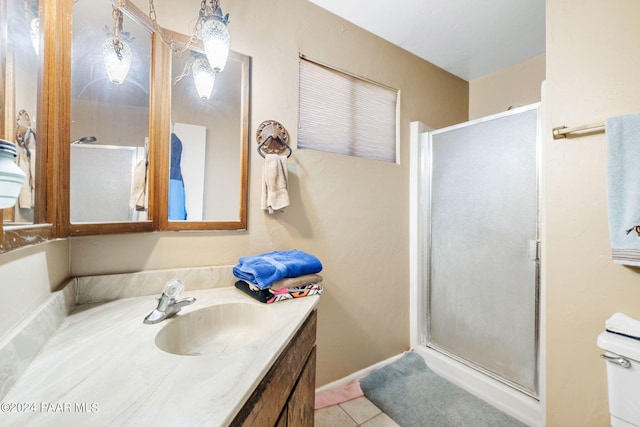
(102, 367)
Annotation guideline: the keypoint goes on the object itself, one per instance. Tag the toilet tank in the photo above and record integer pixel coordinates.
(623, 378)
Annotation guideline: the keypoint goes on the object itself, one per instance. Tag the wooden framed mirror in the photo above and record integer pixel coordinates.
(203, 158)
(28, 31)
(78, 110)
(107, 155)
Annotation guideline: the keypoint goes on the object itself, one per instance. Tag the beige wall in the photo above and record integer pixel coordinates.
(513, 86)
(351, 213)
(131, 129)
(593, 64)
(27, 277)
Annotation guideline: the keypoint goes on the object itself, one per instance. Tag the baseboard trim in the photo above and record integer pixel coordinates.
(360, 374)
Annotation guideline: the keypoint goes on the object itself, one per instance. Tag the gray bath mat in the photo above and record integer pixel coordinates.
(414, 396)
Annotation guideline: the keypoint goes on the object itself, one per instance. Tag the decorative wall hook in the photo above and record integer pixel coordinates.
(272, 138)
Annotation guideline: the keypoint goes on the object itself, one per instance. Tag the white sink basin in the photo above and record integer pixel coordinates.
(214, 330)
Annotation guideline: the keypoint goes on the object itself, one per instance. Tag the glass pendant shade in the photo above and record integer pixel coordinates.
(203, 76)
(11, 176)
(215, 37)
(117, 58)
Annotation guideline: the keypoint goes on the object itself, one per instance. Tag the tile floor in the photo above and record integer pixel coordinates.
(356, 412)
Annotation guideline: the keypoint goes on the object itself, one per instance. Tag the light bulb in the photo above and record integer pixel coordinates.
(203, 77)
(117, 58)
(216, 40)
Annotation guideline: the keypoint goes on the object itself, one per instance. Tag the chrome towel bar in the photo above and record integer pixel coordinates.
(565, 132)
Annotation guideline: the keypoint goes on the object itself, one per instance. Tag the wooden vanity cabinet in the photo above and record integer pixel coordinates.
(285, 396)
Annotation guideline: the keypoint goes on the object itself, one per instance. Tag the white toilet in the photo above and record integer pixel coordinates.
(623, 375)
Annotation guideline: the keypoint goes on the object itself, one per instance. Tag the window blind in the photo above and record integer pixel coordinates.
(344, 114)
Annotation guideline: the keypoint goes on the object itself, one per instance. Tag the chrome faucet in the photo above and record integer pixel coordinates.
(167, 303)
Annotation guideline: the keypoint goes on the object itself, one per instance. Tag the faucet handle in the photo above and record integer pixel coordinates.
(173, 288)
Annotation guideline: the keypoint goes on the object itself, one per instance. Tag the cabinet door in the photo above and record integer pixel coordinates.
(301, 402)
(294, 367)
(282, 421)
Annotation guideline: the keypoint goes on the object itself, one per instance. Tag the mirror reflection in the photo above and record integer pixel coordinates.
(110, 80)
(21, 63)
(208, 136)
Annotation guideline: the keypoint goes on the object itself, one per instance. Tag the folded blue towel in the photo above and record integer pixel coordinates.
(623, 182)
(266, 269)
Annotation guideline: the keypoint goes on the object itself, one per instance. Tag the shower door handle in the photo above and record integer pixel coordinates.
(534, 250)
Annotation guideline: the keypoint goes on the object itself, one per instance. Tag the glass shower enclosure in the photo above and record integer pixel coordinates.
(479, 245)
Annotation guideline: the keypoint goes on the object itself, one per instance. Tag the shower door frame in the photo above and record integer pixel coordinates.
(502, 394)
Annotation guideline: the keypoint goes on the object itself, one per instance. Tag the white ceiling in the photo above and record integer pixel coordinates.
(469, 38)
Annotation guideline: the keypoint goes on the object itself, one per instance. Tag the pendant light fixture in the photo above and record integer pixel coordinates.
(203, 76)
(215, 35)
(117, 52)
(11, 176)
(212, 26)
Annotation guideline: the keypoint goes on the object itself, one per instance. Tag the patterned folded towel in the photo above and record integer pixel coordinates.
(292, 282)
(623, 325)
(266, 269)
(269, 296)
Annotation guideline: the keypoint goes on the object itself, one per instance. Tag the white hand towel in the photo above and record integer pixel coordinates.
(623, 324)
(623, 181)
(26, 197)
(138, 199)
(275, 194)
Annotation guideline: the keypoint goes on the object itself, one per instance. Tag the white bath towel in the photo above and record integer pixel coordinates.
(275, 193)
(624, 325)
(138, 199)
(26, 150)
(623, 187)
(26, 198)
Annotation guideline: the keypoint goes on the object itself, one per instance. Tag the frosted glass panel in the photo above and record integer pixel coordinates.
(101, 183)
(483, 271)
